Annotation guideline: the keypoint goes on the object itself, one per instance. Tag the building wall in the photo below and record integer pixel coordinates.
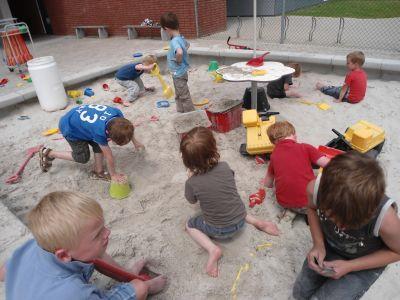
(66, 14)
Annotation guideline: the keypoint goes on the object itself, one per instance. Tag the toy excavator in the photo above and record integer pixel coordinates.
(257, 141)
(363, 137)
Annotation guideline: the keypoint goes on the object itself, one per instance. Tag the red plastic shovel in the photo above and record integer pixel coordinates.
(116, 273)
(257, 61)
(17, 176)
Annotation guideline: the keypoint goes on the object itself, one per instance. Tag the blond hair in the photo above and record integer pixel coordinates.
(59, 217)
(296, 67)
(149, 59)
(279, 131)
(356, 57)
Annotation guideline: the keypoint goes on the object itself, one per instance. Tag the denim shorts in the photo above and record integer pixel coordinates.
(212, 231)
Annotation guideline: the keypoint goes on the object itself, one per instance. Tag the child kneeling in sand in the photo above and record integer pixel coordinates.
(290, 167)
(354, 228)
(92, 125)
(129, 77)
(69, 234)
(283, 87)
(212, 184)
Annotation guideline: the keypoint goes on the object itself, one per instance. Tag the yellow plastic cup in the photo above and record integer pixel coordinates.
(119, 190)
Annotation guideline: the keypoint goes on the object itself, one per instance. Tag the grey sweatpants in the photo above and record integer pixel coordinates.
(311, 285)
(134, 87)
(182, 95)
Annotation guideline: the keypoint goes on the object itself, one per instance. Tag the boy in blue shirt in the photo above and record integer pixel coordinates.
(178, 64)
(129, 77)
(69, 234)
(92, 125)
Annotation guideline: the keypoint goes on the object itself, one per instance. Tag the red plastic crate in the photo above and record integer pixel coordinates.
(227, 120)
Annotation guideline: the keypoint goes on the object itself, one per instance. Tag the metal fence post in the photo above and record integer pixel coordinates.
(283, 21)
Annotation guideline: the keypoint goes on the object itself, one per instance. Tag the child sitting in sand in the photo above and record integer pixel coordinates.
(69, 234)
(129, 77)
(283, 87)
(92, 125)
(290, 167)
(355, 83)
(354, 228)
(212, 184)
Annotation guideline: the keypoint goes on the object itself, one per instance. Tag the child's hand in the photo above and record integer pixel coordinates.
(316, 258)
(337, 101)
(340, 268)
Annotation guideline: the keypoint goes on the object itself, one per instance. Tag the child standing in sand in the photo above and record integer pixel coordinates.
(283, 87)
(178, 63)
(355, 84)
(212, 184)
(290, 167)
(69, 234)
(93, 125)
(129, 77)
(354, 228)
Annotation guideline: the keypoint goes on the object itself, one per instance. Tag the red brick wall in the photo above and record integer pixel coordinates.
(66, 14)
(212, 16)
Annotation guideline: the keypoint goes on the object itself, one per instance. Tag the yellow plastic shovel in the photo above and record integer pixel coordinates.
(167, 90)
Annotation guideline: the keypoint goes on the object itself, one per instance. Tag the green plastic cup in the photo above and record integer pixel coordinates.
(119, 190)
(213, 66)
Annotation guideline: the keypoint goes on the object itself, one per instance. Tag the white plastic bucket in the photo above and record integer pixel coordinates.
(47, 82)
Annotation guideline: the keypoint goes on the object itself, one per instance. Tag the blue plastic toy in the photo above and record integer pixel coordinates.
(162, 104)
(138, 54)
(88, 92)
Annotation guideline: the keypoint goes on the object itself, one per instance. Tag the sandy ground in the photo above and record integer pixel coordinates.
(151, 221)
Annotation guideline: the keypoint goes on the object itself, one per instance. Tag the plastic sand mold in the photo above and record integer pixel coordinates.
(105, 87)
(162, 104)
(138, 54)
(50, 131)
(202, 102)
(88, 92)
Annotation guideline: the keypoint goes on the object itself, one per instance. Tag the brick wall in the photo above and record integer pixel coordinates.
(212, 16)
(66, 14)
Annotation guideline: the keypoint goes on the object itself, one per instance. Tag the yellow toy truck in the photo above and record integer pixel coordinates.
(257, 141)
(363, 137)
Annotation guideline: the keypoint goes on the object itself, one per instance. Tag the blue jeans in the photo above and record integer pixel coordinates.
(212, 231)
(334, 91)
(311, 285)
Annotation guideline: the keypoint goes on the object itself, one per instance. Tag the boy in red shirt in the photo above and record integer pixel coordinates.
(355, 83)
(290, 167)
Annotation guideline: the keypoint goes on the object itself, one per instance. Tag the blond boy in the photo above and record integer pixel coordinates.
(355, 84)
(129, 77)
(69, 234)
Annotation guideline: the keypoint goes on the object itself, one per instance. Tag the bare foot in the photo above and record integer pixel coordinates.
(156, 284)
(337, 101)
(212, 263)
(267, 227)
(136, 267)
(319, 86)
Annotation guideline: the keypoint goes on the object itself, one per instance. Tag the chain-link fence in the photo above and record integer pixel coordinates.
(363, 24)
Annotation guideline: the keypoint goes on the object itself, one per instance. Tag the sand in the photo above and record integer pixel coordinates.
(150, 222)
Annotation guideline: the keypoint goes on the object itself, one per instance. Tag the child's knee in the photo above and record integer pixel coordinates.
(141, 289)
(81, 157)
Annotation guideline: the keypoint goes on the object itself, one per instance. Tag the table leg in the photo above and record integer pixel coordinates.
(253, 95)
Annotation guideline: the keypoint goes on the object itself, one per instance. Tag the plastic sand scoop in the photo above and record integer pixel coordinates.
(167, 90)
(117, 273)
(257, 61)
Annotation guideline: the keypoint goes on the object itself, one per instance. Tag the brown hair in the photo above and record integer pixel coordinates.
(199, 150)
(169, 20)
(120, 131)
(356, 57)
(279, 131)
(149, 59)
(296, 67)
(352, 186)
(59, 217)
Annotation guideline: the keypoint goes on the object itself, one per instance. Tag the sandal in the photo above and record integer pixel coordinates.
(45, 160)
(100, 176)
